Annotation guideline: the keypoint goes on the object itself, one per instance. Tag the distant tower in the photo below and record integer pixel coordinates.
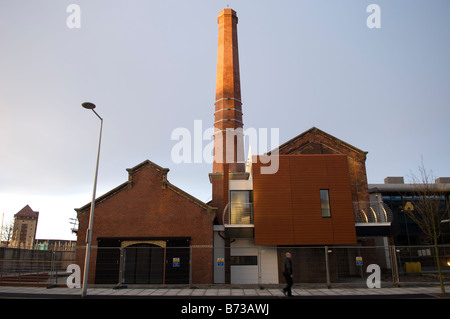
(24, 232)
(229, 161)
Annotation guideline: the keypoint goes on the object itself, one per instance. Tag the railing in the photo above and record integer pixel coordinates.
(238, 214)
(330, 265)
(44, 267)
(372, 213)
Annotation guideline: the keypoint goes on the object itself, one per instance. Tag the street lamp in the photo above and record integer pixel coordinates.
(91, 106)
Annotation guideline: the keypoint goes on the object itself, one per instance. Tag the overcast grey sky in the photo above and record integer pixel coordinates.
(150, 68)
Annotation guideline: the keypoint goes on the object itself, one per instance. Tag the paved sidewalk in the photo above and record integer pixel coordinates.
(221, 292)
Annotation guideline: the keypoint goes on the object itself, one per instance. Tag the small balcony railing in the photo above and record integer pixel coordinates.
(372, 213)
(238, 214)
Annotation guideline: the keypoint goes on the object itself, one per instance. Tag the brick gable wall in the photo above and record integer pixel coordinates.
(148, 206)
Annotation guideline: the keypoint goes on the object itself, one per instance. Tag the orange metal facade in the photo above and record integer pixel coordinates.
(287, 206)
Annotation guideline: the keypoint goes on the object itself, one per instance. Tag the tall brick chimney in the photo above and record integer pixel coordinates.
(229, 161)
(228, 125)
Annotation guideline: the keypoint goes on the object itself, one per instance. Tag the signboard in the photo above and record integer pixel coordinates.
(220, 262)
(359, 261)
(409, 206)
(176, 262)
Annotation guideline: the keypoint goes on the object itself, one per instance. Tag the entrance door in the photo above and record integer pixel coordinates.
(143, 264)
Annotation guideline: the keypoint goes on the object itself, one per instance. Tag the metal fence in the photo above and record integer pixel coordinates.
(33, 266)
(349, 265)
(325, 265)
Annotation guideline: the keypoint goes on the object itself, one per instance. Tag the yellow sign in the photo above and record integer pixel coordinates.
(408, 206)
(359, 261)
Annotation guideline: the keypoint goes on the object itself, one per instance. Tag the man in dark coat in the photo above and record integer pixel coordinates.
(288, 275)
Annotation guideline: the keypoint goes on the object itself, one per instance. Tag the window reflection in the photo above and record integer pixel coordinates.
(325, 202)
(241, 207)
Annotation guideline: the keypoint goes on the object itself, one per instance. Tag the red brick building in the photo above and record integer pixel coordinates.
(25, 225)
(143, 231)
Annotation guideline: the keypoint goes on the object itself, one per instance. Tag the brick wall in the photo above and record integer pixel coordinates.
(147, 206)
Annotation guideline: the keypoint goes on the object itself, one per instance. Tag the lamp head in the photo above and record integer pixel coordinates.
(88, 105)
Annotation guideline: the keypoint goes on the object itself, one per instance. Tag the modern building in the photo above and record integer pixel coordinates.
(399, 196)
(307, 202)
(24, 231)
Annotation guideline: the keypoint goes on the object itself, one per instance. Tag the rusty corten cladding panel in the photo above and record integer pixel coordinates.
(287, 205)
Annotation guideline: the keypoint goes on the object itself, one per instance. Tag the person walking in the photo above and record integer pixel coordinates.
(287, 273)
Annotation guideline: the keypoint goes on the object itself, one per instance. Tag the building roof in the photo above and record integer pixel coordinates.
(330, 138)
(402, 188)
(26, 212)
(165, 183)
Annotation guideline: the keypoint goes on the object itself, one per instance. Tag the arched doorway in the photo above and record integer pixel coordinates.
(143, 264)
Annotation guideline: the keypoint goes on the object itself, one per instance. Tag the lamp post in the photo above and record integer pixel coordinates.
(91, 106)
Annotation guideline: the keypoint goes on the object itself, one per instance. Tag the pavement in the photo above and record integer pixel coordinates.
(220, 292)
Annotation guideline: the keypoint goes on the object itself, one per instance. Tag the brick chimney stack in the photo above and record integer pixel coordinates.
(229, 161)
(228, 125)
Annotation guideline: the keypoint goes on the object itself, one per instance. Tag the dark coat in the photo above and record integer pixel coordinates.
(287, 267)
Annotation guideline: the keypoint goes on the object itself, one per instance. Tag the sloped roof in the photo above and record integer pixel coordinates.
(315, 131)
(26, 212)
(166, 183)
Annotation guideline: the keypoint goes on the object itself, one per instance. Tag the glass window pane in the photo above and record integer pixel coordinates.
(240, 196)
(241, 207)
(325, 203)
(243, 260)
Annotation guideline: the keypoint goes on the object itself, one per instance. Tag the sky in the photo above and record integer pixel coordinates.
(150, 68)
